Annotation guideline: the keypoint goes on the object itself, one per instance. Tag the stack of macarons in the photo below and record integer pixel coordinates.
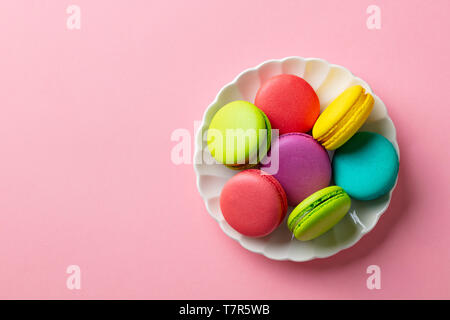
(294, 168)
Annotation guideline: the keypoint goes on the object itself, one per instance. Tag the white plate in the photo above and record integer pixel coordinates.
(328, 80)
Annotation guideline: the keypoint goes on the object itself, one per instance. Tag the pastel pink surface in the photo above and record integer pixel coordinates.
(289, 102)
(86, 118)
(252, 203)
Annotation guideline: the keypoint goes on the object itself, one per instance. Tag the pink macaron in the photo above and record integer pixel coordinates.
(290, 103)
(303, 166)
(254, 204)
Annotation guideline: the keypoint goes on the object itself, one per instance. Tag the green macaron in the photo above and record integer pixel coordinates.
(318, 213)
(239, 135)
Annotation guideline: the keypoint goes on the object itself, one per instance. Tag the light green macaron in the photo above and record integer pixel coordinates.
(319, 213)
(239, 135)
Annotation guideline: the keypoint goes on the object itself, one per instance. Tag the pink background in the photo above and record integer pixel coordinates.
(85, 124)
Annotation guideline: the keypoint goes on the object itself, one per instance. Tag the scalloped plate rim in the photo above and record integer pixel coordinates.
(198, 175)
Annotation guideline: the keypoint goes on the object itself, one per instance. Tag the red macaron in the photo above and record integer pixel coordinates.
(253, 203)
(289, 102)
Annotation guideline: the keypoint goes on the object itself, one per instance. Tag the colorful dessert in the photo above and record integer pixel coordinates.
(289, 102)
(366, 166)
(318, 213)
(252, 203)
(303, 166)
(343, 117)
(296, 171)
(239, 135)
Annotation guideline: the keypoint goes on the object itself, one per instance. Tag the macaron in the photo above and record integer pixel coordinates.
(289, 102)
(253, 203)
(303, 165)
(239, 135)
(318, 213)
(343, 117)
(366, 166)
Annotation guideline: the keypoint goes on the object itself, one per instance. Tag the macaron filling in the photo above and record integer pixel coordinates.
(351, 116)
(303, 215)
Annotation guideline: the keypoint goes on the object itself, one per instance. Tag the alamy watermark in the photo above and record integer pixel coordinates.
(73, 281)
(74, 19)
(374, 280)
(232, 147)
(373, 21)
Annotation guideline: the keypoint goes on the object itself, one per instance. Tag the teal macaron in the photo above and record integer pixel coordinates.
(366, 166)
(318, 213)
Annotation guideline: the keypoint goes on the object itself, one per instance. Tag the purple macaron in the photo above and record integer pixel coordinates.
(303, 166)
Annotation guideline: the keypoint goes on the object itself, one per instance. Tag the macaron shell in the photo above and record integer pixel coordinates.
(290, 103)
(322, 218)
(304, 166)
(307, 204)
(244, 116)
(343, 117)
(253, 204)
(351, 123)
(261, 154)
(366, 166)
(336, 110)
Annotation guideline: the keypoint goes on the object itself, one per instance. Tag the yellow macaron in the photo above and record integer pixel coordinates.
(343, 117)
